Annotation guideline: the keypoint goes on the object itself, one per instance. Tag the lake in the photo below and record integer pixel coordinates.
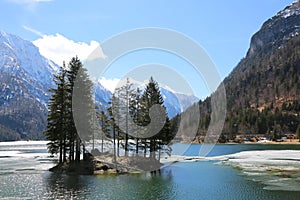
(228, 172)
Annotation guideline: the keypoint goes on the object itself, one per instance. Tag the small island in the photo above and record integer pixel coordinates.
(105, 165)
(90, 139)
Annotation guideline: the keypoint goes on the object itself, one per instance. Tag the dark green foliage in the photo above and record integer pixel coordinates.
(266, 92)
(151, 97)
(129, 113)
(56, 130)
(72, 95)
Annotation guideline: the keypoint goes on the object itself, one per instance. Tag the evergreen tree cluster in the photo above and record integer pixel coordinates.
(74, 120)
(128, 116)
(61, 129)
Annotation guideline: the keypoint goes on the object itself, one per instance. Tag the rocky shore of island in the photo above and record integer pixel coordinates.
(106, 163)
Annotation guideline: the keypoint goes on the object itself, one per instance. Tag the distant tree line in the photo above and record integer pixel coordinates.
(274, 123)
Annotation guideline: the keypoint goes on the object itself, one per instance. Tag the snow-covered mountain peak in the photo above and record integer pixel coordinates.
(293, 9)
(17, 51)
(22, 66)
(26, 77)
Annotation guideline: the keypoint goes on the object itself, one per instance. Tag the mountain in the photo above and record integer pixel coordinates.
(102, 96)
(174, 102)
(270, 70)
(25, 78)
(263, 90)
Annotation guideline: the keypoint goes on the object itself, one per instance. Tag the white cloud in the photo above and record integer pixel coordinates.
(33, 30)
(59, 48)
(109, 84)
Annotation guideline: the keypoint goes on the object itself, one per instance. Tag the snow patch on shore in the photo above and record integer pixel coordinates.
(275, 169)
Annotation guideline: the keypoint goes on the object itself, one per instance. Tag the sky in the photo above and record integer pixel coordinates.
(65, 28)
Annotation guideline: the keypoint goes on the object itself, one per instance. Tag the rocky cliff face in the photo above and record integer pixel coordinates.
(277, 30)
(270, 69)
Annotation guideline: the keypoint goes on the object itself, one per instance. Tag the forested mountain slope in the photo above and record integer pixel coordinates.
(263, 90)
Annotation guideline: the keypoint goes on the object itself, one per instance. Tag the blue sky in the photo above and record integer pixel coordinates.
(222, 28)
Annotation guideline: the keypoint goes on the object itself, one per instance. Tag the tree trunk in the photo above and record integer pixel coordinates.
(64, 151)
(145, 148)
(102, 133)
(126, 144)
(159, 152)
(71, 156)
(118, 145)
(137, 146)
(60, 151)
(77, 159)
(83, 152)
(114, 138)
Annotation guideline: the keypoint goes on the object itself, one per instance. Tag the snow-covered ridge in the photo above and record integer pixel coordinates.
(293, 9)
(21, 61)
(26, 55)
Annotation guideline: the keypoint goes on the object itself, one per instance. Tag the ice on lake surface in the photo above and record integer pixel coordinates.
(24, 156)
(276, 169)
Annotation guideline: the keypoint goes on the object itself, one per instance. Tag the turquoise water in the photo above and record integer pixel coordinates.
(24, 175)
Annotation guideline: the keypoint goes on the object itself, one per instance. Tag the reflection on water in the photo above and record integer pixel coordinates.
(134, 186)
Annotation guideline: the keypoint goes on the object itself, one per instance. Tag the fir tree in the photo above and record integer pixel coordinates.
(82, 105)
(151, 97)
(55, 131)
(72, 93)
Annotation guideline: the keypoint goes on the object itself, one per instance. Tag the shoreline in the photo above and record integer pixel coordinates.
(104, 165)
(42, 142)
(277, 143)
(287, 142)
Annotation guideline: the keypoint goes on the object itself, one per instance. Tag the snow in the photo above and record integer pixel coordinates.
(174, 102)
(253, 160)
(15, 143)
(293, 9)
(22, 59)
(265, 160)
(276, 169)
(27, 55)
